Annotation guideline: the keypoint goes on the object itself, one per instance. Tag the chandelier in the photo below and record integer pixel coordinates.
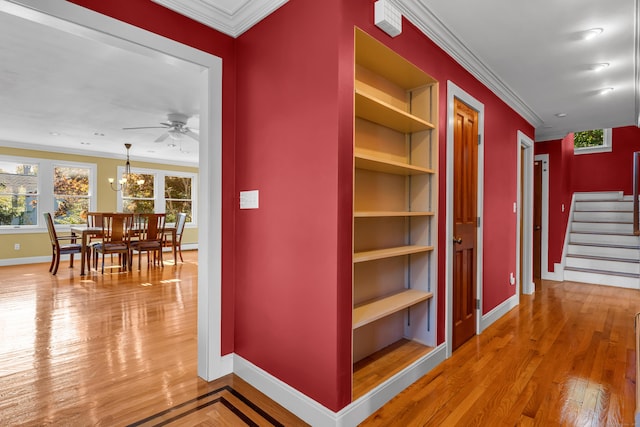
(121, 185)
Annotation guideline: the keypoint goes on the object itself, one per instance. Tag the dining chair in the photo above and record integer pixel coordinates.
(57, 248)
(116, 233)
(150, 232)
(94, 220)
(181, 220)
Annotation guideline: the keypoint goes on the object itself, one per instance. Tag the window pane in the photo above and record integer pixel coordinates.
(137, 206)
(174, 207)
(177, 187)
(588, 138)
(17, 178)
(70, 210)
(18, 210)
(135, 190)
(71, 181)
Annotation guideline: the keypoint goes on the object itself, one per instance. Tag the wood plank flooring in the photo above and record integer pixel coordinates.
(120, 349)
(564, 357)
(113, 350)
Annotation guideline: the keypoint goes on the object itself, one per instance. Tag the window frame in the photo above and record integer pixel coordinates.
(606, 147)
(158, 189)
(46, 196)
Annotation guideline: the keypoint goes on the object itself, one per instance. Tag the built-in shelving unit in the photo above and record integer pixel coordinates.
(395, 200)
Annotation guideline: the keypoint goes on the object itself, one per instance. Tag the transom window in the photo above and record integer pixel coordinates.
(592, 141)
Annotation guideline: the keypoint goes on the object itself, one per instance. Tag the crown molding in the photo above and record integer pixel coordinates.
(427, 22)
(231, 21)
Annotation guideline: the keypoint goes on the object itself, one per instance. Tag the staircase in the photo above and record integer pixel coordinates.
(602, 248)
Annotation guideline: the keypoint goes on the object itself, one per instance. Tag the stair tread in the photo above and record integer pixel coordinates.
(608, 233)
(603, 258)
(603, 222)
(605, 245)
(602, 272)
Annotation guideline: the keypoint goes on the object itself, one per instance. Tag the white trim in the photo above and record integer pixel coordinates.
(544, 249)
(525, 205)
(453, 91)
(29, 260)
(317, 415)
(426, 21)
(499, 311)
(81, 21)
(559, 267)
(232, 22)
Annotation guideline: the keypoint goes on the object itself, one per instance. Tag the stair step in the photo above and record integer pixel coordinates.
(599, 277)
(604, 251)
(617, 265)
(602, 227)
(599, 195)
(604, 206)
(606, 245)
(603, 272)
(603, 216)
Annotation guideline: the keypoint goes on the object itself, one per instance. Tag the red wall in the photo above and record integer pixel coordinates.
(295, 95)
(569, 174)
(157, 19)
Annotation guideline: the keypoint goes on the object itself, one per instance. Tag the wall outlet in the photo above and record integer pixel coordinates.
(512, 279)
(16, 246)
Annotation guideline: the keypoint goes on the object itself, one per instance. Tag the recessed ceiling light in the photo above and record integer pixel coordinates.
(54, 134)
(561, 115)
(98, 134)
(598, 67)
(85, 143)
(593, 32)
(606, 90)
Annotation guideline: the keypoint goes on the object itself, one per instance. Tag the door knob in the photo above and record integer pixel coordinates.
(537, 227)
(457, 240)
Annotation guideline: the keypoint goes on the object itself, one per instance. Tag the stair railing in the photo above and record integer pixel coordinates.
(636, 207)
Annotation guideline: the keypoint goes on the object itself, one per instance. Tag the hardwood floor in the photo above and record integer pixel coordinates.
(564, 357)
(112, 350)
(120, 349)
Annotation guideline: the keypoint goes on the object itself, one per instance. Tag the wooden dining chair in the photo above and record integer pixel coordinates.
(57, 248)
(116, 234)
(181, 220)
(150, 235)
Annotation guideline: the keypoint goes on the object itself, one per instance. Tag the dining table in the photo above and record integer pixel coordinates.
(87, 232)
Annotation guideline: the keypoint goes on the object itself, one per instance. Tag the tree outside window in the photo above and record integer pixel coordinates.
(588, 138)
(177, 195)
(139, 198)
(18, 194)
(71, 194)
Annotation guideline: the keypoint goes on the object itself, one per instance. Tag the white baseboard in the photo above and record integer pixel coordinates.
(317, 415)
(499, 311)
(556, 275)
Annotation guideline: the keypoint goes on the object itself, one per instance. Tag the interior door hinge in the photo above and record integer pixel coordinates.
(477, 304)
(479, 139)
(478, 222)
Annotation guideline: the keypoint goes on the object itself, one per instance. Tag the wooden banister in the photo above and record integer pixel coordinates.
(636, 172)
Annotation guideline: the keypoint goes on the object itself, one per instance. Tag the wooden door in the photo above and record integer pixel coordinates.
(465, 189)
(537, 222)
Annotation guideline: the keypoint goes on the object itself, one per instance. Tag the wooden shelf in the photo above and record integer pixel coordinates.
(377, 164)
(377, 111)
(380, 214)
(389, 252)
(387, 305)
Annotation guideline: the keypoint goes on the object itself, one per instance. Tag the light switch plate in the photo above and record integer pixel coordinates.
(249, 199)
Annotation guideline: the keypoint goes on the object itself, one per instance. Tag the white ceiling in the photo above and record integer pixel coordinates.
(529, 53)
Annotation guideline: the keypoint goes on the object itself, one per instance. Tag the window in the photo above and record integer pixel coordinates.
(177, 196)
(139, 195)
(592, 141)
(71, 195)
(165, 191)
(18, 193)
(30, 187)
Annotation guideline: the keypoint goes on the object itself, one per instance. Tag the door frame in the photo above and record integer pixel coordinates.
(455, 92)
(525, 205)
(544, 245)
(84, 22)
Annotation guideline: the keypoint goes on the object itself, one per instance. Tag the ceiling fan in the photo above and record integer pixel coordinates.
(176, 127)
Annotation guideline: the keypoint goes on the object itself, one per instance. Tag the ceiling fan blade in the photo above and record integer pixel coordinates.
(162, 137)
(192, 134)
(145, 127)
